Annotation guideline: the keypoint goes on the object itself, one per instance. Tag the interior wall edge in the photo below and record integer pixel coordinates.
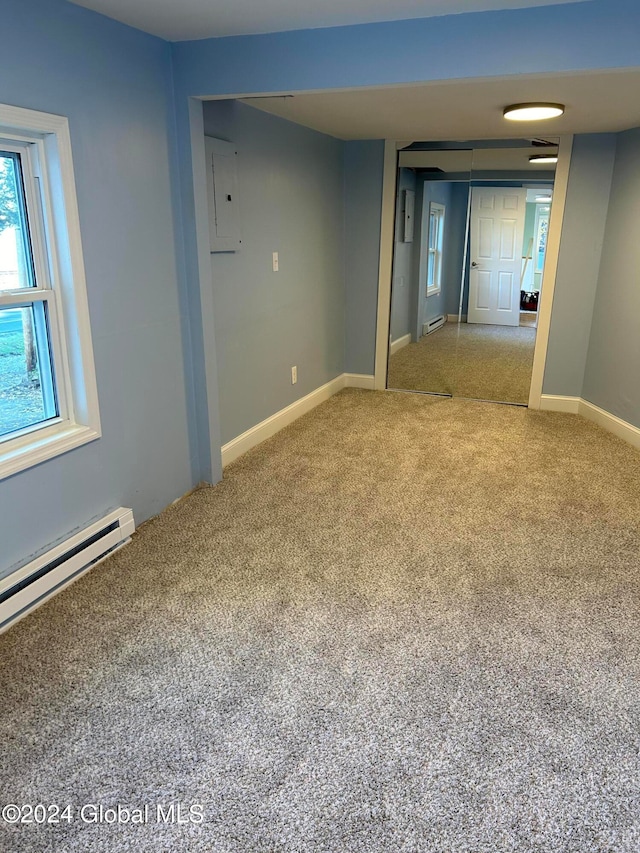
(611, 370)
(579, 261)
(235, 448)
(607, 420)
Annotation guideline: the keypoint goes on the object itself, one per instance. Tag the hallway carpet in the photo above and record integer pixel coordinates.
(470, 360)
(402, 624)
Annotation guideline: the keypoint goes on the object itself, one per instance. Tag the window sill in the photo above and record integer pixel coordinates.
(434, 291)
(28, 450)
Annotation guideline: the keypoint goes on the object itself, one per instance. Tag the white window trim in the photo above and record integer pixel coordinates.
(79, 422)
(436, 207)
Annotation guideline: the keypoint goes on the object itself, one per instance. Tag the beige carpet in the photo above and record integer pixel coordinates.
(404, 624)
(468, 360)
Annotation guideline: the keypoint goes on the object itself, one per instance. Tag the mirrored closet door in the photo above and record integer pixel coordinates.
(428, 267)
(469, 252)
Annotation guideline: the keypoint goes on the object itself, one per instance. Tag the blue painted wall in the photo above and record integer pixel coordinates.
(594, 34)
(113, 83)
(363, 162)
(150, 293)
(579, 262)
(457, 232)
(453, 195)
(613, 360)
(291, 201)
(403, 289)
(577, 36)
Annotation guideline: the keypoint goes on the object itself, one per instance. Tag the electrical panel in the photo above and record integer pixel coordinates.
(222, 191)
(408, 208)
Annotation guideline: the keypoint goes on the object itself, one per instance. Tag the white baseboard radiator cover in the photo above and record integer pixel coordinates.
(434, 324)
(30, 586)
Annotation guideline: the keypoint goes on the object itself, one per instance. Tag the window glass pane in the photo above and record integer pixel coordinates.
(27, 389)
(432, 230)
(16, 265)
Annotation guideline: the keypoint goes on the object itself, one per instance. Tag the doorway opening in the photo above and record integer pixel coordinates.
(466, 285)
(536, 231)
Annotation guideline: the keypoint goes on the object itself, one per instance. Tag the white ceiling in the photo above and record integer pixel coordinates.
(603, 101)
(179, 20)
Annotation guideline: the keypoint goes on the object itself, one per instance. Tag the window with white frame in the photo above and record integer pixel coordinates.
(434, 247)
(48, 398)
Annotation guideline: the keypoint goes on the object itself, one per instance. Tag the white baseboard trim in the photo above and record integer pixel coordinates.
(401, 342)
(557, 403)
(361, 380)
(260, 432)
(624, 430)
(548, 402)
(577, 406)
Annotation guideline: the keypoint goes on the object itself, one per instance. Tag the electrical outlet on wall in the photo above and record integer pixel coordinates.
(275, 262)
(294, 375)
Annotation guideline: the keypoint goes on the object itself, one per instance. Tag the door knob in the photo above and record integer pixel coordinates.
(474, 264)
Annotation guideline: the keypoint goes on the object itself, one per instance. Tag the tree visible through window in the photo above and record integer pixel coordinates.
(48, 395)
(27, 388)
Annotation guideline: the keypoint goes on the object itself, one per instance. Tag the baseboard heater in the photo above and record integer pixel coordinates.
(432, 325)
(31, 585)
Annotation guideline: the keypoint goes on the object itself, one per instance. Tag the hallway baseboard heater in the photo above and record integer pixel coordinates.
(31, 585)
(433, 325)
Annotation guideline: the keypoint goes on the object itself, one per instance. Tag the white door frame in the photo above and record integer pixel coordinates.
(495, 264)
(548, 280)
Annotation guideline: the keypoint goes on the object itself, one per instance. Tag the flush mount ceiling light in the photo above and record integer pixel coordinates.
(543, 158)
(533, 112)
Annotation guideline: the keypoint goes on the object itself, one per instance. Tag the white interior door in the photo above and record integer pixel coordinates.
(497, 231)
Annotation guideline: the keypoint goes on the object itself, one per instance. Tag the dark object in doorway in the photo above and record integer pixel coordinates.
(528, 301)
